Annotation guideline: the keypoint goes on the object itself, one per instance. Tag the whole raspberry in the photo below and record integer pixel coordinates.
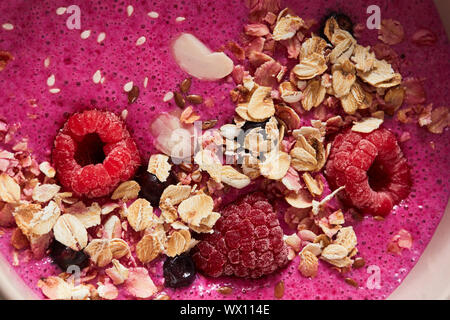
(372, 168)
(247, 241)
(93, 153)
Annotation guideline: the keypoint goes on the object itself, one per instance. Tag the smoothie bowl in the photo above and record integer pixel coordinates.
(228, 150)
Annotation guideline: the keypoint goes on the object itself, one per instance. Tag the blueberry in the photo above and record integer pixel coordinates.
(64, 256)
(179, 271)
(151, 187)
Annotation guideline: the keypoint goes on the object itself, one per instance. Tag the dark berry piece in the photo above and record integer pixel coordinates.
(151, 187)
(248, 125)
(65, 257)
(179, 271)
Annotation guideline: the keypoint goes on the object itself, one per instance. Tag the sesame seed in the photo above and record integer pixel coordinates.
(85, 34)
(145, 82)
(97, 77)
(130, 10)
(7, 26)
(51, 80)
(47, 62)
(180, 19)
(61, 10)
(153, 14)
(124, 114)
(168, 96)
(140, 41)
(101, 37)
(54, 90)
(128, 86)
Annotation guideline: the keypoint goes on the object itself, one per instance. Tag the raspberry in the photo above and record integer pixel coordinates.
(93, 153)
(372, 168)
(247, 241)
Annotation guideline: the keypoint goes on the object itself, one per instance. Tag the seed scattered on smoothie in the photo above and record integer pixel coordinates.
(124, 114)
(279, 290)
(85, 34)
(130, 10)
(47, 62)
(168, 96)
(180, 19)
(145, 82)
(153, 14)
(54, 90)
(97, 77)
(51, 80)
(7, 26)
(359, 263)
(185, 85)
(351, 282)
(128, 86)
(179, 99)
(101, 36)
(225, 290)
(140, 41)
(61, 10)
(194, 98)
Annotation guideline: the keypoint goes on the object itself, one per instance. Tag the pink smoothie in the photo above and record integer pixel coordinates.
(40, 33)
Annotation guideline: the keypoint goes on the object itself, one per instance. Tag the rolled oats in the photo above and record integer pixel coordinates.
(310, 66)
(313, 95)
(89, 216)
(140, 214)
(275, 166)
(367, 125)
(126, 190)
(159, 166)
(261, 104)
(148, 248)
(9, 189)
(45, 192)
(234, 178)
(71, 232)
(194, 209)
(286, 27)
(100, 252)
